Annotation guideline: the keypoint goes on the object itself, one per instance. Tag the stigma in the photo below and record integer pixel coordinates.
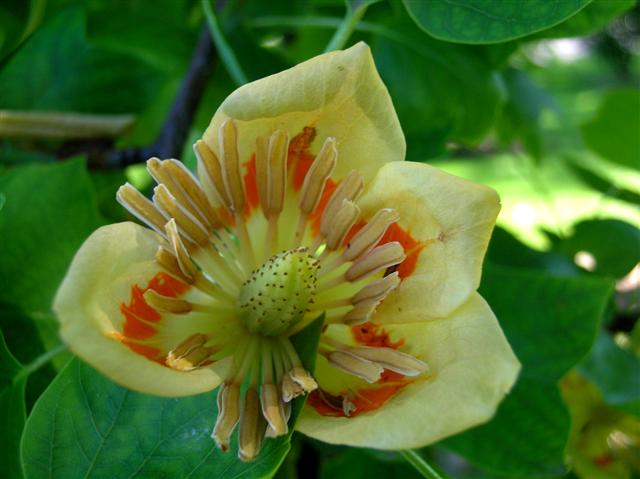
(264, 247)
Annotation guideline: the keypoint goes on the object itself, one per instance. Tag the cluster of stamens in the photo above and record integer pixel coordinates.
(257, 280)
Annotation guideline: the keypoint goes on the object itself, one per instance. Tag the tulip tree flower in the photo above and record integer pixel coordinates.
(302, 208)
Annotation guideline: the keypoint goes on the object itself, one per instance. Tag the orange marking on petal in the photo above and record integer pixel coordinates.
(299, 158)
(250, 186)
(412, 247)
(146, 351)
(374, 335)
(316, 216)
(139, 316)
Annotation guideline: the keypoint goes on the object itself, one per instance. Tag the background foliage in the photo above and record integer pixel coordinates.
(539, 99)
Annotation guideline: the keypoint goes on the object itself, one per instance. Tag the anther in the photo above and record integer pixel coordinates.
(189, 354)
(230, 163)
(188, 224)
(210, 166)
(391, 359)
(355, 365)
(168, 261)
(262, 174)
(381, 257)
(252, 427)
(365, 239)
(141, 207)
(341, 224)
(277, 172)
(166, 304)
(181, 252)
(228, 415)
(317, 176)
(378, 289)
(349, 189)
(272, 409)
(290, 389)
(361, 312)
(302, 378)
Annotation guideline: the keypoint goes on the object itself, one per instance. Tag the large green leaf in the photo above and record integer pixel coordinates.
(489, 21)
(100, 429)
(551, 323)
(590, 19)
(59, 69)
(615, 372)
(442, 92)
(613, 133)
(12, 412)
(361, 464)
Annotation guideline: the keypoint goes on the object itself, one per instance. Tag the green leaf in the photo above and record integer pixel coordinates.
(12, 412)
(526, 438)
(489, 21)
(613, 133)
(66, 72)
(103, 430)
(362, 464)
(442, 92)
(18, 18)
(615, 372)
(551, 323)
(590, 19)
(612, 258)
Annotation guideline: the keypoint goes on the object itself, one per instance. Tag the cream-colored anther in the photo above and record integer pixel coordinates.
(272, 409)
(366, 239)
(166, 304)
(355, 365)
(180, 250)
(378, 289)
(277, 154)
(342, 223)
(141, 207)
(212, 169)
(262, 173)
(392, 359)
(361, 312)
(168, 261)
(290, 389)
(228, 415)
(157, 170)
(317, 176)
(187, 223)
(381, 257)
(230, 163)
(302, 377)
(252, 426)
(189, 354)
(201, 205)
(348, 189)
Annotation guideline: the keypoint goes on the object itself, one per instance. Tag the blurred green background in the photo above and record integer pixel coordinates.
(538, 99)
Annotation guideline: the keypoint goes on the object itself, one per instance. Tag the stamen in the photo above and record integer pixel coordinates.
(140, 207)
(192, 189)
(168, 261)
(252, 427)
(165, 303)
(188, 224)
(262, 174)
(228, 415)
(230, 163)
(181, 253)
(341, 224)
(378, 289)
(272, 409)
(361, 312)
(381, 257)
(391, 359)
(317, 176)
(365, 239)
(277, 173)
(302, 378)
(210, 165)
(355, 365)
(348, 189)
(290, 389)
(189, 354)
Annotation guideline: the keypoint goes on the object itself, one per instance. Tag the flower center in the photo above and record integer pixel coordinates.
(277, 294)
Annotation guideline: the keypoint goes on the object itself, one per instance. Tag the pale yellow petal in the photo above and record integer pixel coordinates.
(109, 263)
(338, 93)
(452, 218)
(471, 368)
